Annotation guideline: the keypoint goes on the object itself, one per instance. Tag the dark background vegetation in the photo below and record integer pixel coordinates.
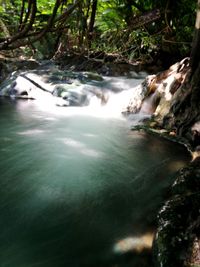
(131, 30)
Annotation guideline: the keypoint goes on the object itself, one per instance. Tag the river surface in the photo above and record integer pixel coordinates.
(73, 185)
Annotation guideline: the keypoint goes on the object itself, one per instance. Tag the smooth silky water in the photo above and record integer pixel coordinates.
(74, 185)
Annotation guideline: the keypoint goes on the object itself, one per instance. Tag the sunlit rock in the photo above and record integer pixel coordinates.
(164, 88)
(137, 244)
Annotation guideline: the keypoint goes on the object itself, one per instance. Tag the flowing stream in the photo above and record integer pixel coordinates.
(78, 188)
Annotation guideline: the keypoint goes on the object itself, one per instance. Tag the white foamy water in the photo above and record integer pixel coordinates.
(116, 92)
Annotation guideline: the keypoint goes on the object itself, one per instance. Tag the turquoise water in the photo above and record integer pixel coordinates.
(72, 185)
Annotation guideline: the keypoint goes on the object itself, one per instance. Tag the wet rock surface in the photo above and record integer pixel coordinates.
(178, 235)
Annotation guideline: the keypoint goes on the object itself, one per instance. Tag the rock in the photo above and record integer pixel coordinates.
(93, 76)
(138, 95)
(3, 71)
(25, 64)
(179, 220)
(194, 256)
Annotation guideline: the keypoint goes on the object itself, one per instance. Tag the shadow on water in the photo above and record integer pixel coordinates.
(78, 190)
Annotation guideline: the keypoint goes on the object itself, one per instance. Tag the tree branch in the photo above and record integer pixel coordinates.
(26, 29)
(16, 42)
(63, 16)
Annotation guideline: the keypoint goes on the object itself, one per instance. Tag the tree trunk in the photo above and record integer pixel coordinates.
(92, 21)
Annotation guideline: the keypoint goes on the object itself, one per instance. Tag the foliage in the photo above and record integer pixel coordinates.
(113, 29)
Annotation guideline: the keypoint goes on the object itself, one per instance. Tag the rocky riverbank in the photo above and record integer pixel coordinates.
(177, 241)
